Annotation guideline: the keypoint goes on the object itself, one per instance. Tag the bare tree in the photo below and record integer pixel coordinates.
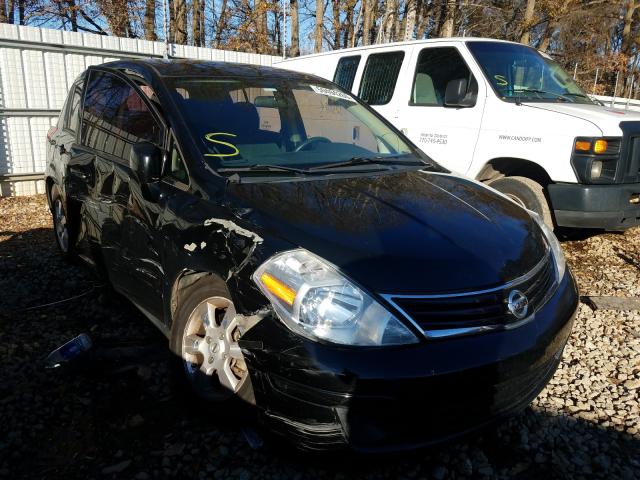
(527, 22)
(295, 29)
(150, 20)
(319, 22)
(449, 19)
(367, 25)
(410, 19)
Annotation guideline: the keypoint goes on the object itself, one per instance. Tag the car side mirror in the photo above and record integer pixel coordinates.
(457, 94)
(145, 160)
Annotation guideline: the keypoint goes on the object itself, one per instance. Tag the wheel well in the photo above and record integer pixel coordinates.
(509, 167)
(185, 280)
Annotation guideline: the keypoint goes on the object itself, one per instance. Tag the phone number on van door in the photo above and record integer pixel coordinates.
(433, 138)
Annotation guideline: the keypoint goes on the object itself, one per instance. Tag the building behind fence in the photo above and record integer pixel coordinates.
(37, 68)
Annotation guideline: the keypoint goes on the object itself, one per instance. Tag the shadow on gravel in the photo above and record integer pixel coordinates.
(120, 414)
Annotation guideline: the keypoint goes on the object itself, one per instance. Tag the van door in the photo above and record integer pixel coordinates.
(447, 134)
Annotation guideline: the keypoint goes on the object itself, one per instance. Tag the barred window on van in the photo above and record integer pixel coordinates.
(380, 77)
(346, 71)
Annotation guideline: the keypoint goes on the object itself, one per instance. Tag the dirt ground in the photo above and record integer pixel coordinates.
(119, 415)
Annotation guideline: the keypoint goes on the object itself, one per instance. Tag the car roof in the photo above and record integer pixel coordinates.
(201, 68)
(401, 44)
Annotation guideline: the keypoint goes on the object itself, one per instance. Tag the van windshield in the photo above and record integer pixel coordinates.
(278, 122)
(520, 73)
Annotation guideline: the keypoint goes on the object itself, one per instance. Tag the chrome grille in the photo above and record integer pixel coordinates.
(473, 312)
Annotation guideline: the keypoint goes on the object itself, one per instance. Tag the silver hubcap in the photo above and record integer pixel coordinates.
(60, 224)
(210, 349)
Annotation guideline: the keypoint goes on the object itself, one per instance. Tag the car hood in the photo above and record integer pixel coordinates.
(605, 118)
(412, 231)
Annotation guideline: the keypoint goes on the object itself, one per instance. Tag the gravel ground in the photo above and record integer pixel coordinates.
(117, 416)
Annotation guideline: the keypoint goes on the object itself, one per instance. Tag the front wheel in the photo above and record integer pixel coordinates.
(527, 193)
(205, 337)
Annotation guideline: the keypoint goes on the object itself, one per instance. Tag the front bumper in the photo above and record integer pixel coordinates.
(324, 396)
(595, 206)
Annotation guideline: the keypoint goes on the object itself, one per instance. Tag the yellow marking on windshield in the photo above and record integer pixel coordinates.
(209, 137)
(501, 81)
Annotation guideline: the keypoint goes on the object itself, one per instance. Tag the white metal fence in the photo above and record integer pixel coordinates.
(37, 68)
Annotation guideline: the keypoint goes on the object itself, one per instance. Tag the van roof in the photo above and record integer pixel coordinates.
(399, 44)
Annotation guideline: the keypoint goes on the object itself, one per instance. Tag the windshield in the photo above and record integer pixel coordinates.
(520, 73)
(258, 122)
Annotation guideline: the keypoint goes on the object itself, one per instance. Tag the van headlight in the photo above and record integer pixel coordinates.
(554, 244)
(313, 299)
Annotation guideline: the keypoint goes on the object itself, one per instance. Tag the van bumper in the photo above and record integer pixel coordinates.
(595, 206)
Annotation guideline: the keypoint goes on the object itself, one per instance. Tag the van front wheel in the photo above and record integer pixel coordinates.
(527, 193)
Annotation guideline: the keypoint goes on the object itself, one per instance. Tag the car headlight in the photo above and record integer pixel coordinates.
(554, 244)
(312, 298)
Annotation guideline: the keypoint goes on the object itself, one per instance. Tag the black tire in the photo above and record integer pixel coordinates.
(527, 193)
(65, 224)
(207, 389)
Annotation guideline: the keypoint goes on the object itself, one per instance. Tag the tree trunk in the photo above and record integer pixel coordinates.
(150, 20)
(319, 22)
(222, 23)
(348, 24)
(388, 20)
(3, 11)
(295, 29)
(181, 21)
(367, 25)
(410, 20)
(449, 19)
(21, 12)
(527, 22)
(336, 24)
(12, 11)
(195, 23)
(423, 14)
(630, 8)
(356, 29)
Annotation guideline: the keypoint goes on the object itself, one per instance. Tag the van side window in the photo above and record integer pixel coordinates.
(379, 77)
(346, 71)
(115, 117)
(435, 68)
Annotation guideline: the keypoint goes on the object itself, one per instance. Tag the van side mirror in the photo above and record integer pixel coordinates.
(145, 160)
(458, 94)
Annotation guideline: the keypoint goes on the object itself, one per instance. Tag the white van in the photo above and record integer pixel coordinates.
(504, 114)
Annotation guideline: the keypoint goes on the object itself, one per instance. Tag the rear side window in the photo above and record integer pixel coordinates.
(72, 121)
(346, 71)
(115, 116)
(380, 77)
(435, 68)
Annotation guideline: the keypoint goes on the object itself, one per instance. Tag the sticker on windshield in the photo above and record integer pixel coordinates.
(209, 137)
(332, 93)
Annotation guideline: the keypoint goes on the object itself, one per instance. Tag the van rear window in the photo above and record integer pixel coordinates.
(380, 77)
(346, 71)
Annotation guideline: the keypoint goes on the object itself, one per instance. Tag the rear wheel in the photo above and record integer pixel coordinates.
(205, 337)
(63, 224)
(526, 193)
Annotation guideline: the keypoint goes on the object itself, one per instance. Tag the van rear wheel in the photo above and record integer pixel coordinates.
(526, 193)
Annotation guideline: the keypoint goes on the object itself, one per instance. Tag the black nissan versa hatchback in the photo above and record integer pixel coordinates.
(302, 254)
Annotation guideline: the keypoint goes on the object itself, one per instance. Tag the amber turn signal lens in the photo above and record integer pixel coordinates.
(583, 145)
(600, 146)
(279, 289)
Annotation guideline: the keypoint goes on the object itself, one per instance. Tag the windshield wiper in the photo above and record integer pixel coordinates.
(263, 168)
(365, 161)
(541, 92)
(581, 95)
